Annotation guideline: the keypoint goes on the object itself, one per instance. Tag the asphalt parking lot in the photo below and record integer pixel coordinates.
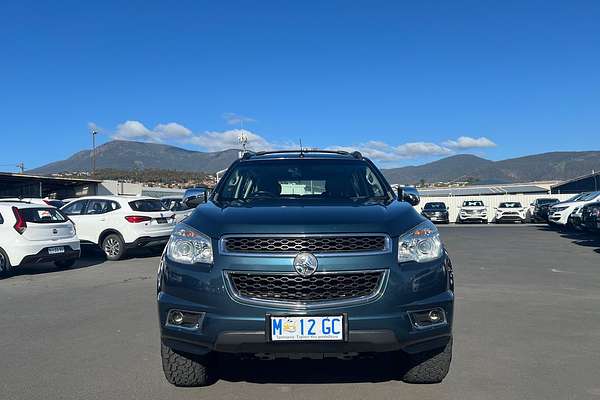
(527, 327)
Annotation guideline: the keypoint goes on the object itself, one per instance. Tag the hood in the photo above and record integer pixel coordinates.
(394, 219)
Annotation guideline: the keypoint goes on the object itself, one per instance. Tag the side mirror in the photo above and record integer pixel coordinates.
(409, 195)
(194, 197)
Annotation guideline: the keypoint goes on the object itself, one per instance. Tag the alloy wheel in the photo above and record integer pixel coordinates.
(2, 263)
(112, 247)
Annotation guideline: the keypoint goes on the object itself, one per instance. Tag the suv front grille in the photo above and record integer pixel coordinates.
(313, 244)
(320, 287)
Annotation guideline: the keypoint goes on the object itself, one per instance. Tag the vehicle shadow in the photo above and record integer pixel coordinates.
(580, 238)
(89, 258)
(377, 368)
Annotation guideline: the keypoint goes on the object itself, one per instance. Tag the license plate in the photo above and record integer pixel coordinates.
(161, 220)
(56, 250)
(307, 328)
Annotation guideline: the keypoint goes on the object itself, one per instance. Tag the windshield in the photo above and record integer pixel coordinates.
(435, 206)
(510, 205)
(303, 179)
(473, 203)
(147, 205)
(588, 196)
(547, 201)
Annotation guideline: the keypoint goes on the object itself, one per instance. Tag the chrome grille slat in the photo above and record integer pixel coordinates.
(293, 288)
(282, 244)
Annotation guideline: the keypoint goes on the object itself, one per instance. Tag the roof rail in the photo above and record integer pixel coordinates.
(354, 154)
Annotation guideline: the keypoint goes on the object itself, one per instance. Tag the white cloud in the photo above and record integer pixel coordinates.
(378, 151)
(466, 142)
(235, 119)
(217, 141)
(416, 149)
(382, 151)
(135, 130)
(172, 130)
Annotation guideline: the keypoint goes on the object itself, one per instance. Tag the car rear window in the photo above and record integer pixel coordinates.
(42, 215)
(147, 205)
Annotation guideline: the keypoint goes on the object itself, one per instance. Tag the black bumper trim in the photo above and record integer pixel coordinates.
(252, 342)
(42, 256)
(148, 241)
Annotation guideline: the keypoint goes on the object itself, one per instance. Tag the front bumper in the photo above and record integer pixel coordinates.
(509, 218)
(231, 325)
(437, 218)
(472, 217)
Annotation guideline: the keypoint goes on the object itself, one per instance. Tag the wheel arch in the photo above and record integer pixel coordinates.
(107, 232)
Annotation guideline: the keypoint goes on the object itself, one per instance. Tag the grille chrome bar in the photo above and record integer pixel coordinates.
(324, 245)
(375, 292)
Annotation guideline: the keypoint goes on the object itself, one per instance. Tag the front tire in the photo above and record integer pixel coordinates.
(113, 247)
(6, 269)
(185, 370)
(430, 366)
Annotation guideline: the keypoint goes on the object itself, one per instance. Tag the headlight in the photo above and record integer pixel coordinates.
(188, 246)
(421, 244)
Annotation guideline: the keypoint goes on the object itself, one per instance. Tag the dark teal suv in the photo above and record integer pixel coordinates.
(305, 254)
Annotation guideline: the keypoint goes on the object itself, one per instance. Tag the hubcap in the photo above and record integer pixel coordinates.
(112, 247)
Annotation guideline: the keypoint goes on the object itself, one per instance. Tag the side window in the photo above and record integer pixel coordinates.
(98, 207)
(75, 208)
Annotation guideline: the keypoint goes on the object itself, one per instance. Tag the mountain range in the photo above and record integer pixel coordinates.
(129, 156)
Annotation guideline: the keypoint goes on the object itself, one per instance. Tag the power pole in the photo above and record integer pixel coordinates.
(94, 133)
(21, 167)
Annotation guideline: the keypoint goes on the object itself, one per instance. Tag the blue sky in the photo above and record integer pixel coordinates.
(405, 82)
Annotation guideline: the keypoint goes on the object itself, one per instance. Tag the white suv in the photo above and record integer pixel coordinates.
(118, 223)
(472, 211)
(510, 211)
(559, 213)
(32, 233)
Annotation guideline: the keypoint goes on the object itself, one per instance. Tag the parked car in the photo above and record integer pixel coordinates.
(575, 219)
(590, 215)
(305, 254)
(558, 215)
(32, 233)
(179, 208)
(436, 212)
(119, 223)
(472, 211)
(540, 207)
(35, 200)
(510, 211)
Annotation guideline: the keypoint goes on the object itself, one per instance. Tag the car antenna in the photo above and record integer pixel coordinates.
(301, 151)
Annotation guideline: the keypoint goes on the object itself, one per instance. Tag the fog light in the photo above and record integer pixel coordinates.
(427, 318)
(185, 319)
(434, 316)
(176, 318)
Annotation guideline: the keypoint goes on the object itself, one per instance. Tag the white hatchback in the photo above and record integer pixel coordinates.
(34, 233)
(118, 223)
